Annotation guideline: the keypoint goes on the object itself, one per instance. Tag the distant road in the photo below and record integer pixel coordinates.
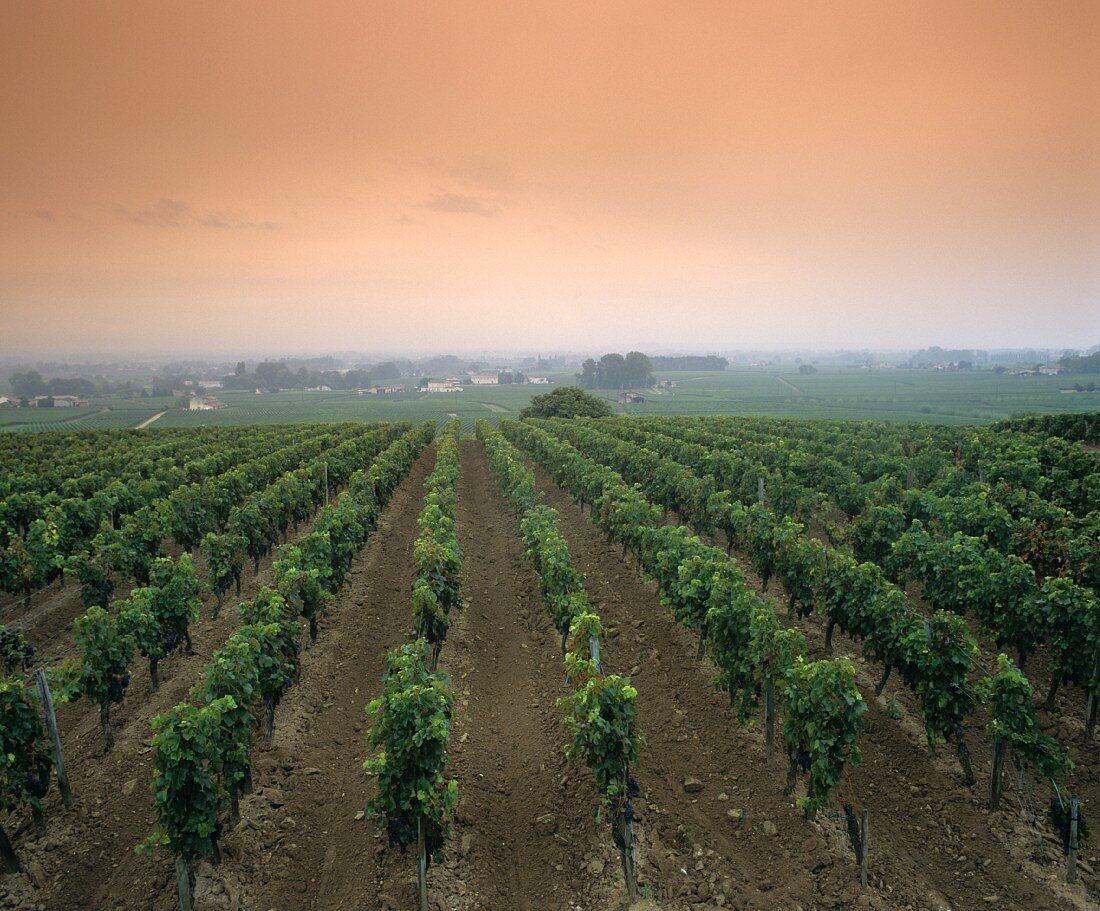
(149, 421)
(790, 385)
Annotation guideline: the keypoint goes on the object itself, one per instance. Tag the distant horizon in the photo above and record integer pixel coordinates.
(576, 352)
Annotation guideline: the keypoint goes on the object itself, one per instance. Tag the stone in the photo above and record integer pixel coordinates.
(770, 828)
(466, 844)
(596, 866)
(547, 824)
(692, 786)
(736, 816)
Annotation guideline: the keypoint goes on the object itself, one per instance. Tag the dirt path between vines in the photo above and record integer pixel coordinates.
(526, 835)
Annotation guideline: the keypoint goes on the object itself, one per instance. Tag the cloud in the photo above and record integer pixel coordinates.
(165, 213)
(172, 213)
(219, 219)
(461, 203)
(482, 172)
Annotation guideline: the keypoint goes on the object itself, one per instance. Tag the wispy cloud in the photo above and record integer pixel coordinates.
(220, 219)
(462, 204)
(485, 173)
(172, 213)
(165, 213)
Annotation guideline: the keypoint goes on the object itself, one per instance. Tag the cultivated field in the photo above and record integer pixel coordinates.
(750, 632)
(843, 394)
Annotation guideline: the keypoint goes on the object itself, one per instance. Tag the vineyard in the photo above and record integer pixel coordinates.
(654, 662)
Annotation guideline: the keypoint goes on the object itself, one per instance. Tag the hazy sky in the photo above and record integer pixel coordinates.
(703, 175)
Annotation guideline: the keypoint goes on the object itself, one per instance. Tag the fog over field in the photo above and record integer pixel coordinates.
(286, 177)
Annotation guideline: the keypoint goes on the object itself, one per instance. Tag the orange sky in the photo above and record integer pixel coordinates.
(278, 177)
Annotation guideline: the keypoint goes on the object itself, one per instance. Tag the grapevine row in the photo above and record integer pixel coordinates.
(201, 746)
(412, 716)
(821, 706)
(600, 710)
(934, 656)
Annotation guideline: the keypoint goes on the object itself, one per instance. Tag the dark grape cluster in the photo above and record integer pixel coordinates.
(803, 760)
(401, 831)
(171, 642)
(36, 784)
(116, 687)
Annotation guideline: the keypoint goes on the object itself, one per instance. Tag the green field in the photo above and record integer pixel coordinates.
(841, 393)
(852, 393)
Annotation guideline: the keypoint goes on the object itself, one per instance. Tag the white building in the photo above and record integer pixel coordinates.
(443, 386)
(538, 380)
(484, 379)
(204, 403)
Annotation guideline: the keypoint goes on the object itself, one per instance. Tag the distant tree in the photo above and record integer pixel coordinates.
(611, 372)
(27, 384)
(807, 369)
(386, 371)
(1086, 364)
(566, 402)
(587, 377)
(637, 369)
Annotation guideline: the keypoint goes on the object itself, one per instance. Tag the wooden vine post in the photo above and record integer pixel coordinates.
(1094, 699)
(421, 864)
(769, 717)
(626, 833)
(1071, 857)
(996, 781)
(864, 846)
(9, 860)
(185, 881)
(51, 724)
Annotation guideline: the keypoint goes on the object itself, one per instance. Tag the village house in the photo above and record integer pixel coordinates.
(443, 386)
(204, 403)
(383, 390)
(484, 379)
(58, 401)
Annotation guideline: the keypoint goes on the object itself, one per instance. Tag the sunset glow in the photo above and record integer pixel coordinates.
(316, 176)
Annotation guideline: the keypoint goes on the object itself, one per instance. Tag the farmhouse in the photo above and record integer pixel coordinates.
(9, 401)
(443, 386)
(383, 390)
(631, 398)
(58, 401)
(204, 403)
(484, 379)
